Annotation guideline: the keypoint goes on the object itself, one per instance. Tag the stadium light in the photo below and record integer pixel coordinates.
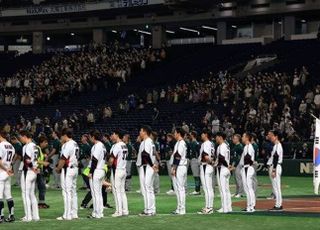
(303, 21)
(170, 32)
(190, 30)
(114, 31)
(209, 28)
(48, 38)
(72, 34)
(234, 26)
(142, 31)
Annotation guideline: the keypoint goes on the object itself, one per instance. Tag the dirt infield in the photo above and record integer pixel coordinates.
(298, 205)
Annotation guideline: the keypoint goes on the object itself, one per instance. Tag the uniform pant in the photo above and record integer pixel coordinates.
(238, 179)
(206, 175)
(169, 172)
(5, 193)
(270, 176)
(41, 183)
(17, 172)
(195, 168)
(146, 177)
(88, 196)
(129, 175)
(276, 185)
(179, 187)
(255, 179)
(156, 183)
(248, 185)
(223, 176)
(96, 192)
(30, 203)
(69, 192)
(56, 176)
(5, 186)
(118, 179)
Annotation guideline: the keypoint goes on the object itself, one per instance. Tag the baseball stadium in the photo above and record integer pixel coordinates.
(160, 114)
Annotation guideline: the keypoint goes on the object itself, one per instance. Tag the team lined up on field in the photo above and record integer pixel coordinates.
(210, 160)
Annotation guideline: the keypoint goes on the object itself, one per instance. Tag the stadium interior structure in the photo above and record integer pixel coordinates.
(239, 65)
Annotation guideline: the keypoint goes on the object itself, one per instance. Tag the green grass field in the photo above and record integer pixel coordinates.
(296, 186)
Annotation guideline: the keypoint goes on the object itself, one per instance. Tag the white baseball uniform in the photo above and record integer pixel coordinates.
(145, 161)
(181, 162)
(275, 162)
(69, 174)
(97, 163)
(119, 152)
(7, 153)
(223, 176)
(28, 181)
(206, 172)
(247, 173)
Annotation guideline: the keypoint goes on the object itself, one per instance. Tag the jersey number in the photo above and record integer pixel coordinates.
(124, 154)
(9, 156)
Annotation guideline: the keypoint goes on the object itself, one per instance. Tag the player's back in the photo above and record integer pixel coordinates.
(7, 153)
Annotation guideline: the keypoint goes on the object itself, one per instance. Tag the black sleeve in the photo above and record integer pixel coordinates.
(247, 160)
(177, 158)
(275, 160)
(27, 164)
(94, 163)
(147, 157)
(222, 161)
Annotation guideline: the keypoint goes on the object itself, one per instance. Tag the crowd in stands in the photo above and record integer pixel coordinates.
(66, 74)
(256, 103)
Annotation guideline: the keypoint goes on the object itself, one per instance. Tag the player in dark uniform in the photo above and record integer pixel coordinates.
(236, 152)
(193, 155)
(169, 150)
(17, 159)
(131, 152)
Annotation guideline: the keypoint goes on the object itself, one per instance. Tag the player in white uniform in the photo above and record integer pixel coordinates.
(275, 162)
(7, 153)
(97, 173)
(206, 159)
(146, 162)
(179, 170)
(223, 172)
(119, 152)
(68, 167)
(248, 172)
(29, 177)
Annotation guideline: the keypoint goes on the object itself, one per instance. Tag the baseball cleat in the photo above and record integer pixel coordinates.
(171, 192)
(238, 196)
(116, 214)
(195, 193)
(1, 220)
(83, 206)
(276, 209)
(25, 219)
(10, 219)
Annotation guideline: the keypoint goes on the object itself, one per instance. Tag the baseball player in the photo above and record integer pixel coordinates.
(146, 162)
(119, 152)
(17, 159)
(236, 153)
(131, 153)
(169, 151)
(97, 173)
(54, 156)
(193, 152)
(29, 177)
(248, 172)
(206, 159)
(275, 162)
(179, 170)
(156, 182)
(68, 168)
(41, 181)
(7, 153)
(223, 172)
